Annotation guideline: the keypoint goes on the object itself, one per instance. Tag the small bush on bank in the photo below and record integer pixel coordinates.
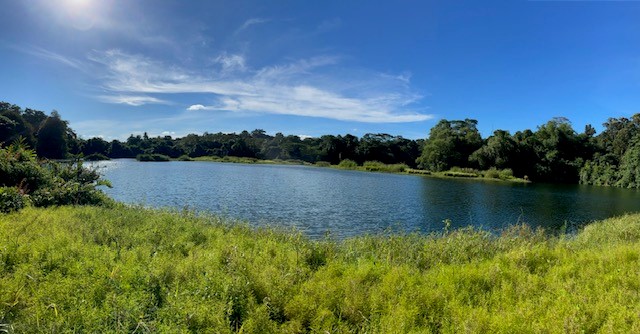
(152, 157)
(323, 164)
(348, 164)
(377, 166)
(502, 174)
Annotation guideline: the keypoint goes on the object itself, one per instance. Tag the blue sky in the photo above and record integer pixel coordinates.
(113, 68)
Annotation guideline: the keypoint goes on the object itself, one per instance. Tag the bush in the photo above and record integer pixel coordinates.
(152, 157)
(71, 184)
(96, 157)
(49, 183)
(11, 199)
(348, 164)
(506, 174)
(184, 157)
(377, 166)
(323, 164)
(373, 166)
(20, 168)
(492, 173)
(502, 174)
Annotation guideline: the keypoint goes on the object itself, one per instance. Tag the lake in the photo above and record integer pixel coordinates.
(345, 203)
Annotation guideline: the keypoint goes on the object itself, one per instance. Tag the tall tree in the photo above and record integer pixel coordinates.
(450, 144)
(52, 137)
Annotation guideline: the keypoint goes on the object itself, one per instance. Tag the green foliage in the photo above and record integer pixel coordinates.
(19, 168)
(152, 157)
(450, 144)
(96, 157)
(52, 138)
(11, 199)
(72, 184)
(376, 166)
(601, 171)
(496, 153)
(629, 170)
(89, 269)
(323, 164)
(48, 183)
(348, 164)
(493, 173)
(184, 158)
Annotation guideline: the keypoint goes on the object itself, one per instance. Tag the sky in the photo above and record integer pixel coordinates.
(309, 68)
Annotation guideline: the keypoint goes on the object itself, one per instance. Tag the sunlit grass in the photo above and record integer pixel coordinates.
(87, 269)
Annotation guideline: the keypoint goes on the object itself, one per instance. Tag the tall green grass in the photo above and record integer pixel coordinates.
(90, 269)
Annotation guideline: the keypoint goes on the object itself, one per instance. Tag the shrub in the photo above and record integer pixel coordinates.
(373, 166)
(377, 166)
(348, 164)
(71, 184)
(184, 157)
(397, 168)
(11, 199)
(506, 174)
(49, 183)
(492, 173)
(467, 170)
(96, 157)
(323, 164)
(152, 157)
(19, 167)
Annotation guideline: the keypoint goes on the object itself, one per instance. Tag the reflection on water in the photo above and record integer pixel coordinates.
(345, 203)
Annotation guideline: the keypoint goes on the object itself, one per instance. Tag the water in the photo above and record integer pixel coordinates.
(347, 203)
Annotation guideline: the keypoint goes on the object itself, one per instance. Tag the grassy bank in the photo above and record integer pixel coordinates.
(245, 160)
(367, 166)
(88, 269)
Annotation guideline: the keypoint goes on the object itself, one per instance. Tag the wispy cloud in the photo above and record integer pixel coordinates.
(132, 100)
(231, 62)
(51, 56)
(250, 22)
(297, 88)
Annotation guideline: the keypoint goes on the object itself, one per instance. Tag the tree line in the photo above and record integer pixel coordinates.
(554, 152)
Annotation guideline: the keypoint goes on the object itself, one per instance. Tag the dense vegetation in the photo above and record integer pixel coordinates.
(554, 152)
(26, 181)
(92, 269)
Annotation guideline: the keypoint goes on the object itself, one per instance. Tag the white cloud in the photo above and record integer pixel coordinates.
(196, 107)
(132, 100)
(297, 88)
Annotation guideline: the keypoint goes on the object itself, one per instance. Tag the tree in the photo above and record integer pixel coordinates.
(13, 126)
(52, 138)
(95, 145)
(450, 144)
(498, 151)
(557, 149)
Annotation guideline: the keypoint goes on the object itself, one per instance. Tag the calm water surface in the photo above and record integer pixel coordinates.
(346, 203)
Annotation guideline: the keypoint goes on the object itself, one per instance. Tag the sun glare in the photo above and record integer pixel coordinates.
(80, 14)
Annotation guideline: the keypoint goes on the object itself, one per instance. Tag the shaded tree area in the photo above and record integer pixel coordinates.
(258, 144)
(553, 153)
(616, 158)
(50, 136)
